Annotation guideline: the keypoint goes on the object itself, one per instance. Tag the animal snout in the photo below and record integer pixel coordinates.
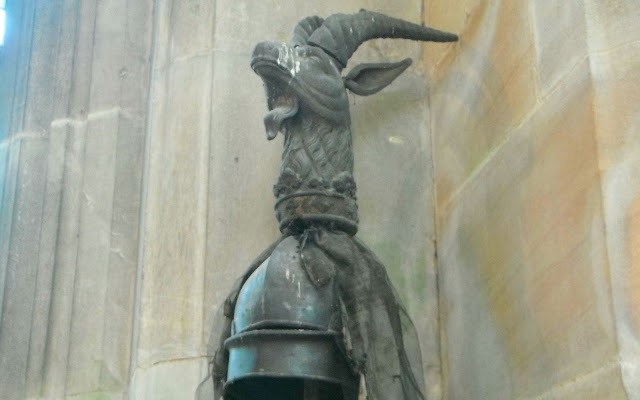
(266, 51)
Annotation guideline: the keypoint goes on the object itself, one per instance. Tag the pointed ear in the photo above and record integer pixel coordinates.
(366, 79)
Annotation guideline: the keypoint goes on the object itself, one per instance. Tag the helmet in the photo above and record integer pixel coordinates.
(286, 335)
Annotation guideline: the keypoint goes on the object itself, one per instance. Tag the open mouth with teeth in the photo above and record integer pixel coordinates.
(293, 79)
(282, 99)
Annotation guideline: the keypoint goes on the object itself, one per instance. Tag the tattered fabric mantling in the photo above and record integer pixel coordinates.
(380, 340)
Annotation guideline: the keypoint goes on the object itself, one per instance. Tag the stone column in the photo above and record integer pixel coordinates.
(71, 160)
(136, 186)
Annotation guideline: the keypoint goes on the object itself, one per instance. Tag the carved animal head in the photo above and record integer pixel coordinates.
(305, 75)
(307, 100)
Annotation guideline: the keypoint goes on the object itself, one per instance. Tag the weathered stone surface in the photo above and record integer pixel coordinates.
(526, 236)
(560, 47)
(175, 215)
(47, 254)
(486, 89)
(19, 278)
(535, 208)
(169, 380)
(533, 116)
(9, 158)
(395, 196)
(614, 55)
(72, 239)
(61, 302)
(91, 281)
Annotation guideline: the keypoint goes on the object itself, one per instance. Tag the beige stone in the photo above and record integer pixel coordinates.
(526, 234)
(74, 161)
(173, 379)
(486, 91)
(135, 180)
(613, 60)
(535, 209)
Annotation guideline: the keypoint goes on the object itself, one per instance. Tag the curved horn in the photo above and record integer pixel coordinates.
(304, 29)
(341, 34)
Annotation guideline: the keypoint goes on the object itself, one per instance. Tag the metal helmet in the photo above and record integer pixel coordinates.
(286, 335)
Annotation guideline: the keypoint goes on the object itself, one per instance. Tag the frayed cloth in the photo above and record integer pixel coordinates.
(380, 341)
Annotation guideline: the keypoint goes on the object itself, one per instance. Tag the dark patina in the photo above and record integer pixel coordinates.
(316, 310)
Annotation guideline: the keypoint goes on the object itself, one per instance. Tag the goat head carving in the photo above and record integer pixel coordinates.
(307, 101)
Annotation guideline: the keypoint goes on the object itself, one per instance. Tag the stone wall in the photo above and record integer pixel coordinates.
(73, 129)
(136, 187)
(535, 126)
